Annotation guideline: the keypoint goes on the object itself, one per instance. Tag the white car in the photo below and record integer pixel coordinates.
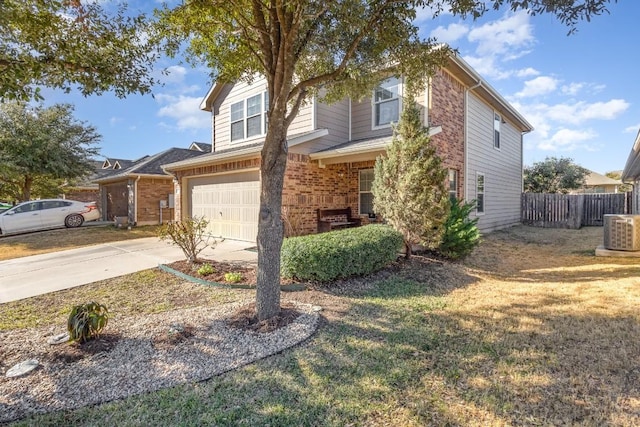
(45, 214)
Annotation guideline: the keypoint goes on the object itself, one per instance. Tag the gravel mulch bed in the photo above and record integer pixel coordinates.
(141, 354)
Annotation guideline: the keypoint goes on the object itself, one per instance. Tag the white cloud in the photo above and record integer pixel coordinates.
(538, 86)
(581, 111)
(427, 13)
(174, 74)
(632, 129)
(507, 36)
(572, 88)
(450, 34)
(185, 110)
(527, 72)
(486, 67)
(115, 120)
(569, 140)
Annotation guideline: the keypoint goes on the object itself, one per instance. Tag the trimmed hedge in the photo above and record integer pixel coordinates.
(339, 254)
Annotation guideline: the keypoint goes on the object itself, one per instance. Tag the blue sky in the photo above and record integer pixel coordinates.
(578, 91)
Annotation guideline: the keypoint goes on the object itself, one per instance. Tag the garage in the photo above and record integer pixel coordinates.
(230, 202)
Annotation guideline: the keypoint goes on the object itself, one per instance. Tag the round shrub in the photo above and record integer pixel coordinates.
(339, 254)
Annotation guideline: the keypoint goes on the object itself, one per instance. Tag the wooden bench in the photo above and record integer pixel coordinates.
(333, 219)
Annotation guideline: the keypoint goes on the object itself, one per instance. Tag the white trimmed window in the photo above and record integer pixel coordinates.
(365, 194)
(496, 130)
(453, 184)
(479, 193)
(386, 103)
(249, 117)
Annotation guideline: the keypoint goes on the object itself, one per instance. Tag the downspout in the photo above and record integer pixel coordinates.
(466, 138)
(135, 200)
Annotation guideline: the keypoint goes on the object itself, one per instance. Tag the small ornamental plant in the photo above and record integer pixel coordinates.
(233, 277)
(86, 321)
(206, 269)
(190, 235)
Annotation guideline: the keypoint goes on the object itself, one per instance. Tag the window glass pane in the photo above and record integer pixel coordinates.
(453, 180)
(387, 112)
(480, 203)
(366, 179)
(254, 105)
(366, 203)
(237, 111)
(237, 130)
(453, 184)
(254, 126)
(480, 185)
(388, 89)
(496, 130)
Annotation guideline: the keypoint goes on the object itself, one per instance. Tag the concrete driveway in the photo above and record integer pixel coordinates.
(39, 274)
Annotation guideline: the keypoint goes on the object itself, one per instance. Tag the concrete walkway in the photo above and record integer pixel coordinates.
(39, 274)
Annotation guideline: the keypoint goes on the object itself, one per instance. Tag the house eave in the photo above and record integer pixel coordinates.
(631, 172)
(377, 147)
(240, 153)
(210, 97)
(117, 178)
(469, 77)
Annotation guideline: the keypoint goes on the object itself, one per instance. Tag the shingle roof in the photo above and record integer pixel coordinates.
(152, 165)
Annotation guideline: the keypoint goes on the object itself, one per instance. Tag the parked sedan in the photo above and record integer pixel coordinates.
(45, 214)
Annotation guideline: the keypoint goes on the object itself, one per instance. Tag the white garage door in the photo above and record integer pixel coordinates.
(230, 202)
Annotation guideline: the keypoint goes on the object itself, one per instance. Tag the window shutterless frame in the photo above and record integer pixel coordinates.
(365, 196)
(480, 202)
(248, 117)
(386, 103)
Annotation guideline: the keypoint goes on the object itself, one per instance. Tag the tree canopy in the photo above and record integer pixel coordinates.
(303, 46)
(41, 149)
(67, 43)
(554, 175)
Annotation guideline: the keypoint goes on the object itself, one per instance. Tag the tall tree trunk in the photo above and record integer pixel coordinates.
(26, 188)
(270, 225)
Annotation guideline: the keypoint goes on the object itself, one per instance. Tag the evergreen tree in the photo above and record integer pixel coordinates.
(409, 183)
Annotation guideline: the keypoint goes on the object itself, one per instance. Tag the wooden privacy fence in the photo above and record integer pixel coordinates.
(571, 210)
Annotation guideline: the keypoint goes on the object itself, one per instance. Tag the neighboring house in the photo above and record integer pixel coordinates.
(333, 147)
(87, 189)
(631, 174)
(596, 183)
(200, 146)
(142, 192)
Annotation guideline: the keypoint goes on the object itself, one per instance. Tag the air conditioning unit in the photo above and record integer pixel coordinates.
(622, 232)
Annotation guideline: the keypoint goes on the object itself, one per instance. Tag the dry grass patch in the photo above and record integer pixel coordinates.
(532, 329)
(60, 239)
(144, 292)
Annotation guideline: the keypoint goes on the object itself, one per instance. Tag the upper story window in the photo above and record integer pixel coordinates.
(496, 130)
(386, 103)
(249, 117)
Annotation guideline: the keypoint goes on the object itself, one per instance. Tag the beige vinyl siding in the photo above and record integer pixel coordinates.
(362, 117)
(335, 118)
(239, 92)
(502, 168)
(361, 121)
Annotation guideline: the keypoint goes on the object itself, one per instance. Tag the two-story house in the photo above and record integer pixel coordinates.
(333, 147)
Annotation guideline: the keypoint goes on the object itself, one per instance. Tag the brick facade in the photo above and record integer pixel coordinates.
(308, 187)
(85, 195)
(150, 192)
(447, 110)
